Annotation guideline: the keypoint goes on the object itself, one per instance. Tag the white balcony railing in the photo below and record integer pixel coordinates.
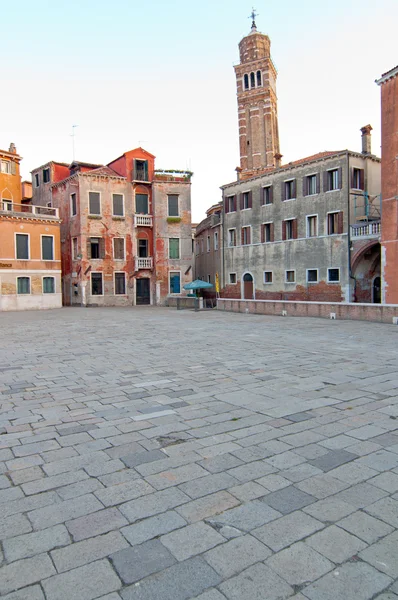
(143, 263)
(366, 230)
(143, 220)
(28, 209)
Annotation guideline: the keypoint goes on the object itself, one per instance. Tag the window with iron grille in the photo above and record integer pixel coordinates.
(140, 170)
(96, 284)
(120, 284)
(333, 275)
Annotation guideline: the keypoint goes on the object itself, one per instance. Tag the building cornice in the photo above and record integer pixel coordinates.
(386, 76)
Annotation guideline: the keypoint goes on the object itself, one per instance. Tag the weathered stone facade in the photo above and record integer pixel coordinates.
(208, 248)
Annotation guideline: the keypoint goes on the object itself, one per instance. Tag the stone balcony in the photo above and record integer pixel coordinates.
(143, 220)
(9, 208)
(368, 230)
(143, 263)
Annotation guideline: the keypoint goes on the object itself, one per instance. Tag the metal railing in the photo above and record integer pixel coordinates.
(143, 220)
(28, 209)
(143, 263)
(366, 230)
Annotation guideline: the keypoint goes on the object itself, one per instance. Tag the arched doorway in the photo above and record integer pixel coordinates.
(248, 286)
(376, 290)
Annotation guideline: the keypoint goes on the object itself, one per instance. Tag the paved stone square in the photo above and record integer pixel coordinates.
(154, 454)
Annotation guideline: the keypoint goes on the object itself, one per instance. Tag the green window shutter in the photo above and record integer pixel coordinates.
(174, 248)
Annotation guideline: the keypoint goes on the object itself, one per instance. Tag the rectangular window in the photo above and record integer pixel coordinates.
(173, 205)
(290, 276)
(141, 204)
(94, 202)
(22, 246)
(73, 204)
(267, 195)
(333, 275)
(231, 237)
(143, 248)
(202, 245)
(245, 241)
(140, 170)
(312, 275)
(75, 249)
(95, 248)
(209, 279)
(216, 240)
(312, 226)
(335, 223)
(120, 284)
(208, 244)
(230, 204)
(267, 232)
(37, 180)
(175, 282)
(96, 284)
(246, 200)
(118, 205)
(118, 249)
(6, 166)
(23, 285)
(289, 227)
(232, 278)
(289, 188)
(311, 185)
(48, 285)
(47, 247)
(267, 276)
(174, 248)
(333, 180)
(46, 175)
(358, 179)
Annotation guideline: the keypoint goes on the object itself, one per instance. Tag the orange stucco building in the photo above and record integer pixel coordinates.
(10, 179)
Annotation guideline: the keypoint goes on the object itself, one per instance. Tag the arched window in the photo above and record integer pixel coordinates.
(259, 83)
(252, 80)
(246, 78)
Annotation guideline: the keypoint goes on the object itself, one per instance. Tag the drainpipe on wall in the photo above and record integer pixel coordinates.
(222, 245)
(350, 275)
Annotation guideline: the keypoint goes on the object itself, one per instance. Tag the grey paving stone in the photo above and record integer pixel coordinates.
(24, 546)
(63, 511)
(366, 432)
(48, 483)
(246, 517)
(383, 555)
(32, 592)
(236, 555)
(288, 499)
(361, 495)
(90, 550)
(286, 460)
(251, 471)
(322, 486)
(14, 525)
(191, 540)
(176, 476)
(301, 472)
(381, 460)
(207, 485)
(220, 463)
(153, 504)
(336, 544)
(365, 527)
(10, 494)
(84, 582)
(284, 531)
(133, 564)
(386, 481)
(352, 580)
(329, 509)
(96, 523)
(207, 506)
(25, 572)
(332, 459)
(140, 458)
(385, 509)
(247, 491)
(257, 583)
(25, 475)
(273, 482)
(299, 564)
(300, 416)
(123, 492)
(182, 581)
(211, 595)
(153, 527)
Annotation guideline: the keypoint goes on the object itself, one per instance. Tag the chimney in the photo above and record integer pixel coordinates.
(278, 160)
(12, 149)
(238, 173)
(366, 139)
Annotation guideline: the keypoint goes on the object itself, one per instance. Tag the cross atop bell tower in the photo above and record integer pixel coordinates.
(257, 104)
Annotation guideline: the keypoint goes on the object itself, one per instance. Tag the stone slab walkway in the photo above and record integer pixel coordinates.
(155, 454)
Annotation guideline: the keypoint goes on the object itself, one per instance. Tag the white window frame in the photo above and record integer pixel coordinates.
(316, 182)
(358, 169)
(42, 284)
(232, 245)
(124, 248)
(41, 247)
(317, 275)
(7, 169)
(179, 248)
(100, 203)
(73, 214)
(334, 269)
(335, 189)
(251, 237)
(265, 187)
(272, 278)
(114, 283)
(289, 181)
(229, 199)
(15, 245)
(169, 216)
(124, 210)
(290, 271)
(262, 225)
(307, 226)
(91, 284)
(236, 279)
(288, 239)
(30, 284)
(170, 292)
(215, 240)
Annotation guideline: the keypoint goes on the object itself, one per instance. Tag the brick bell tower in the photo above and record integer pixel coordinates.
(257, 105)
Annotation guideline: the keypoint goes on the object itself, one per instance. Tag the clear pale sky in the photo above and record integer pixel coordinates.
(160, 75)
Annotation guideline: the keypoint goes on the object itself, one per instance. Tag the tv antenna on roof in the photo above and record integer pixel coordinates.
(73, 140)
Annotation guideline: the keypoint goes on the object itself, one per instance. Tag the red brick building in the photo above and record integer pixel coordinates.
(389, 186)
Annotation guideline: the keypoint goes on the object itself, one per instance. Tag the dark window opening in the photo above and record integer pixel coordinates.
(333, 180)
(290, 189)
(73, 203)
(290, 276)
(143, 248)
(120, 283)
(312, 275)
(96, 284)
(259, 82)
(267, 194)
(246, 80)
(22, 243)
(333, 275)
(37, 180)
(95, 248)
(357, 179)
(267, 276)
(46, 175)
(141, 170)
(252, 80)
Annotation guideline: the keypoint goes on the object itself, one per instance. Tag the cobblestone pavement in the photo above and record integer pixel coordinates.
(155, 454)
